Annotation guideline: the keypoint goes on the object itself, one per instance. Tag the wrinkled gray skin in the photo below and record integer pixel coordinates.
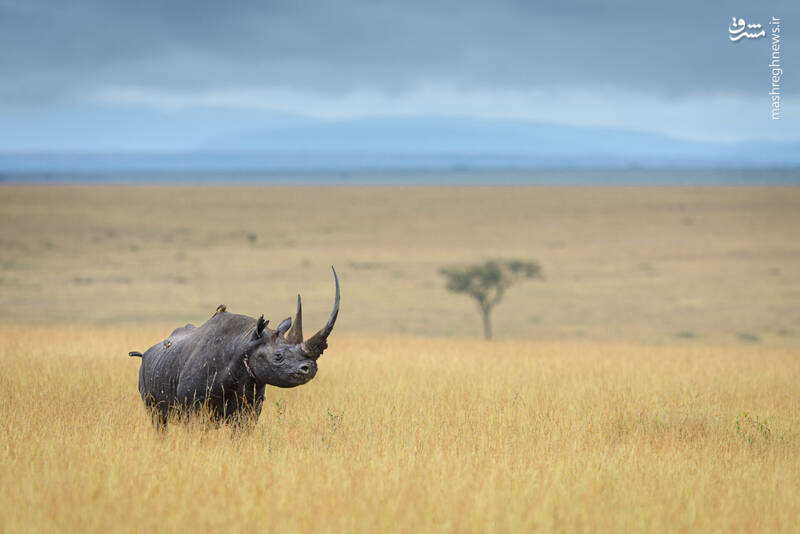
(226, 363)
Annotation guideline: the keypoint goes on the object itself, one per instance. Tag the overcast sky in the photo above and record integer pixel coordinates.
(664, 67)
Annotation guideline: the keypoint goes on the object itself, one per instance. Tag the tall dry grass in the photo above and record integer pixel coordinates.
(407, 435)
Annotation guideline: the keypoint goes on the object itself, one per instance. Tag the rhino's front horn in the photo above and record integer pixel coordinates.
(295, 334)
(317, 343)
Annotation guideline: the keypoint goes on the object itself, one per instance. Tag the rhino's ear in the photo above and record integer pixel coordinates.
(285, 325)
(261, 324)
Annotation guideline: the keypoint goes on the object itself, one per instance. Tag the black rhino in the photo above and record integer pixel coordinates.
(225, 364)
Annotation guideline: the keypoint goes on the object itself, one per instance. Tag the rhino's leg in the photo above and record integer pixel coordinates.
(242, 410)
(158, 410)
(258, 404)
(159, 418)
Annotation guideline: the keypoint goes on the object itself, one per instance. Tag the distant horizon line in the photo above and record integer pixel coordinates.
(309, 161)
(556, 176)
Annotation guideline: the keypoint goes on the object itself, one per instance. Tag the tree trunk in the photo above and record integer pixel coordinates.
(487, 324)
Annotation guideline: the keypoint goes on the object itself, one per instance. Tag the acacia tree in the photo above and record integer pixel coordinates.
(487, 283)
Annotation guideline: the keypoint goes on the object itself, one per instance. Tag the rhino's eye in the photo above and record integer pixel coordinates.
(278, 357)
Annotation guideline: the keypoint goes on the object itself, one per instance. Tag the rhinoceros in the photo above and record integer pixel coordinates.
(225, 364)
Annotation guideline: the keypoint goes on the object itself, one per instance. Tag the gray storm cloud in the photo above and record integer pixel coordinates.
(52, 51)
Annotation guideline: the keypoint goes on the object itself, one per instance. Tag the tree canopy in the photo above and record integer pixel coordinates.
(487, 282)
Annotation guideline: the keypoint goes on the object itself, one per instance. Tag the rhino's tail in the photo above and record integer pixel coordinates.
(135, 354)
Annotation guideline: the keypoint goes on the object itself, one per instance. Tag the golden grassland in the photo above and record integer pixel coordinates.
(648, 383)
(709, 265)
(408, 434)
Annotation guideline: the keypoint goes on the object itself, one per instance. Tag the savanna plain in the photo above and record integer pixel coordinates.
(647, 382)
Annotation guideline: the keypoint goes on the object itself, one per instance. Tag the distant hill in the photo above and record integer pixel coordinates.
(522, 142)
(389, 143)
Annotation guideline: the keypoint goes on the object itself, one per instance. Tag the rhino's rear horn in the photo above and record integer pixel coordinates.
(295, 335)
(284, 326)
(318, 342)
